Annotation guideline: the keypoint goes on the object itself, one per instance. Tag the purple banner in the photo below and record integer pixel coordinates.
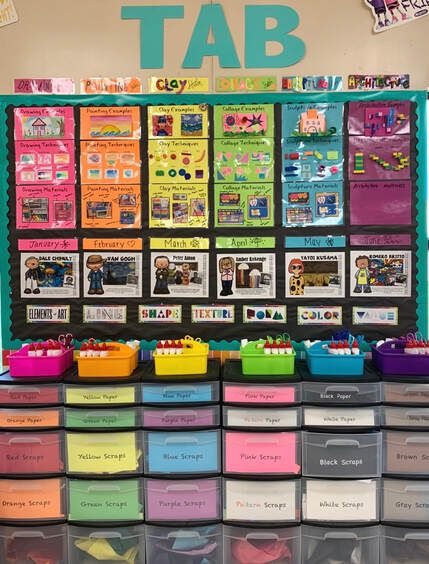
(393, 240)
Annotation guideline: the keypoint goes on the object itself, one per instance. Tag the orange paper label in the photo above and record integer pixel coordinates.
(111, 85)
(30, 418)
(113, 244)
(31, 499)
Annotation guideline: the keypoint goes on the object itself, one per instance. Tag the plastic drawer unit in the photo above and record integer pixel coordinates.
(341, 393)
(400, 545)
(180, 418)
(22, 545)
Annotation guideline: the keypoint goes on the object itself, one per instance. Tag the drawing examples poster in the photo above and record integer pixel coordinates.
(246, 276)
(315, 275)
(36, 123)
(179, 275)
(112, 275)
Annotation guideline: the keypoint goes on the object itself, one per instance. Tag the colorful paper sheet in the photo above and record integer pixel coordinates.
(172, 161)
(111, 206)
(46, 275)
(110, 122)
(312, 159)
(112, 275)
(43, 162)
(249, 120)
(312, 203)
(379, 158)
(247, 205)
(320, 121)
(384, 202)
(379, 119)
(36, 123)
(178, 122)
(45, 207)
(110, 162)
(178, 205)
(244, 160)
(315, 275)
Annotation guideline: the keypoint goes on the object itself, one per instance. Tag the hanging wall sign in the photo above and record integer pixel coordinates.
(392, 13)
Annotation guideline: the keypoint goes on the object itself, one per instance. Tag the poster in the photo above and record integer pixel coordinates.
(250, 276)
(41, 162)
(383, 202)
(178, 122)
(244, 120)
(375, 273)
(379, 158)
(315, 275)
(46, 275)
(36, 123)
(244, 160)
(178, 205)
(45, 207)
(312, 203)
(110, 122)
(247, 205)
(111, 206)
(380, 118)
(179, 275)
(312, 159)
(392, 13)
(172, 161)
(112, 275)
(315, 121)
(110, 162)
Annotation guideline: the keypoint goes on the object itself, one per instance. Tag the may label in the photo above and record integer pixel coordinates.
(213, 314)
(48, 314)
(375, 316)
(264, 314)
(160, 314)
(323, 315)
(315, 242)
(104, 314)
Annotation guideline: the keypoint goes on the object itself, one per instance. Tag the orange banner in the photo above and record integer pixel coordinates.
(112, 244)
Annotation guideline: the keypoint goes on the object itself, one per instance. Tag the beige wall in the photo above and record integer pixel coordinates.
(78, 38)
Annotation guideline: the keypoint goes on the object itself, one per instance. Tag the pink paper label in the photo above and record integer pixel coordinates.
(43, 86)
(44, 123)
(259, 453)
(258, 394)
(47, 244)
(45, 207)
(391, 240)
(45, 162)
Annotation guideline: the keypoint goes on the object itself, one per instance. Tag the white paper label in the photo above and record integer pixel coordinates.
(342, 417)
(260, 501)
(261, 417)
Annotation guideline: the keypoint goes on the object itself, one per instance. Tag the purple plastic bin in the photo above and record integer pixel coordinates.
(23, 366)
(391, 359)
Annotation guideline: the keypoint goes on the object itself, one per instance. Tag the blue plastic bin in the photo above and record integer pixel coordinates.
(321, 363)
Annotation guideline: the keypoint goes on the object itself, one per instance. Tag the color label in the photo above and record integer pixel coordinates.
(31, 499)
(95, 395)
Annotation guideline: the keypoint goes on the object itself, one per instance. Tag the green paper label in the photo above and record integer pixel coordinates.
(245, 242)
(81, 418)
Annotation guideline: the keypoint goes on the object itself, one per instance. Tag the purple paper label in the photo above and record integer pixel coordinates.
(392, 240)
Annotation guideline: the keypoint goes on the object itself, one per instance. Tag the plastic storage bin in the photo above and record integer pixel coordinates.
(113, 453)
(192, 360)
(40, 452)
(25, 393)
(183, 500)
(33, 500)
(405, 501)
(250, 544)
(180, 393)
(406, 393)
(261, 501)
(23, 366)
(120, 363)
(255, 362)
(23, 545)
(341, 417)
(182, 452)
(184, 544)
(90, 419)
(390, 359)
(340, 501)
(326, 545)
(400, 545)
(262, 453)
(262, 418)
(341, 455)
(336, 393)
(105, 500)
(253, 394)
(408, 417)
(99, 396)
(31, 418)
(405, 453)
(177, 418)
(321, 363)
(122, 545)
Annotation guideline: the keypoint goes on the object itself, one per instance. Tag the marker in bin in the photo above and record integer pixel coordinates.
(169, 347)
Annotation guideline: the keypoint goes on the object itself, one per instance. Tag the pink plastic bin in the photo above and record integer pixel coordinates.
(391, 359)
(23, 366)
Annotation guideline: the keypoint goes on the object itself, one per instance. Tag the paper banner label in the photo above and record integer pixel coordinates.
(264, 314)
(100, 395)
(116, 85)
(316, 242)
(30, 418)
(178, 85)
(113, 244)
(312, 83)
(213, 314)
(245, 242)
(47, 245)
(323, 315)
(48, 314)
(392, 240)
(104, 314)
(160, 314)
(246, 83)
(170, 243)
(375, 316)
(378, 81)
(43, 86)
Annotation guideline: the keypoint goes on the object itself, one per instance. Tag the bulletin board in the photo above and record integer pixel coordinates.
(284, 212)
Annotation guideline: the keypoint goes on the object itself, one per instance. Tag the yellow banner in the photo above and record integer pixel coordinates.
(178, 243)
(177, 85)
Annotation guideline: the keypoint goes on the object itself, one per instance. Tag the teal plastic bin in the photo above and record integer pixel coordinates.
(321, 363)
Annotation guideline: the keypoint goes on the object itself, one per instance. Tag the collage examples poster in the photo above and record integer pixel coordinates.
(110, 162)
(112, 275)
(246, 205)
(312, 203)
(174, 161)
(110, 122)
(375, 273)
(244, 120)
(45, 275)
(178, 122)
(178, 205)
(179, 275)
(36, 123)
(244, 160)
(45, 207)
(246, 276)
(111, 206)
(315, 275)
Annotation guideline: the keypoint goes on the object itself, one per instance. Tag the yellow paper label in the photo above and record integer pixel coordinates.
(93, 395)
(178, 243)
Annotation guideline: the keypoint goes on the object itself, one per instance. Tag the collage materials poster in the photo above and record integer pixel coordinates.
(244, 120)
(244, 160)
(178, 205)
(178, 122)
(112, 275)
(247, 205)
(384, 202)
(379, 119)
(312, 159)
(179, 275)
(42, 162)
(110, 162)
(379, 158)
(246, 276)
(315, 275)
(45, 207)
(375, 273)
(44, 123)
(312, 203)
(314, 121)
(392, 13)
(182, 160)
(110, 122)
(45, 275)
(111, 206)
